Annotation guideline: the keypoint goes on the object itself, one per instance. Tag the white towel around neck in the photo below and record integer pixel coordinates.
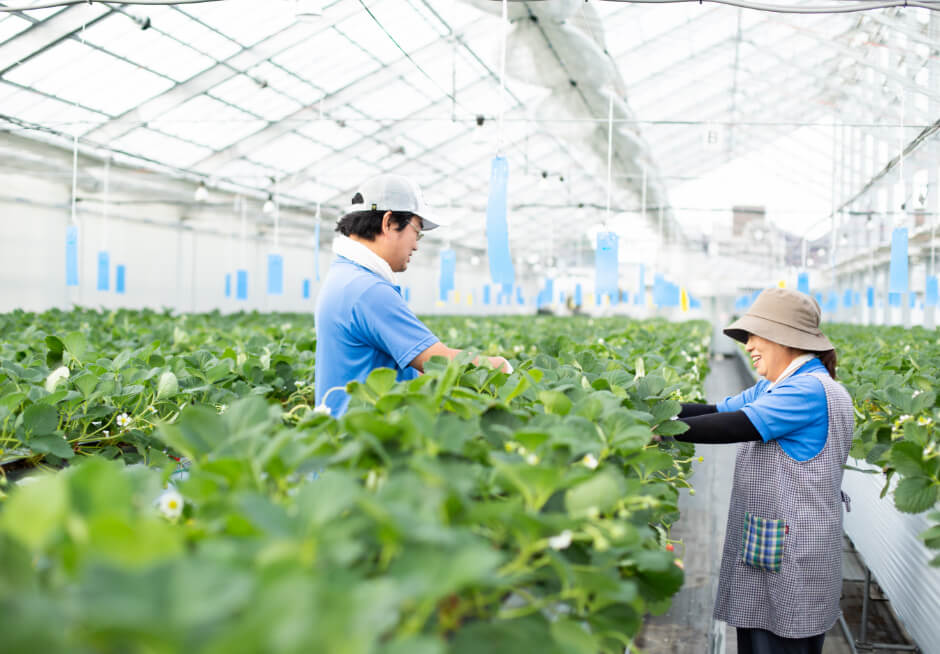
(359, 253)
(793, 367)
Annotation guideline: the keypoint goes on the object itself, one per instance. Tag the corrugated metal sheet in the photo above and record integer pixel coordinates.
(888, 542)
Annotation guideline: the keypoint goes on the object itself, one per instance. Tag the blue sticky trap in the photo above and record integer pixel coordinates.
(898, 268)
(912, 299)
(104, 271)
(306, 289)
(241, 284)
(316, 250)
(119, 274)
(228, 284)
(847, 299)
(802, 283)
(561, 297)
(606, 264)
(275, 274)
(694, 302)
(71, 255)
(497, 228)
(578, 296)
(624, 297)
(930, 295)
(486, 294)
(870, 296)
(448, 272)
(519, 297)
(894, 299)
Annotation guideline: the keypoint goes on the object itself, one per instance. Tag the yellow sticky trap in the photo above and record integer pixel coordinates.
(782, 283)
(440, 303)
(606, 300)
(469, 299)
(589, 300)
(684, 300)
(456, 297)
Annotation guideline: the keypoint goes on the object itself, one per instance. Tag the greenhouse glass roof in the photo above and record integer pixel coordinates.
(248, 97)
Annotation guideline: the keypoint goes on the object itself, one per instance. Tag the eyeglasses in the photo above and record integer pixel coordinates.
(420, 233)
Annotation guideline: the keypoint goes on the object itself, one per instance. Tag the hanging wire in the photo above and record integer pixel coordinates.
(502, 78)
(66, 3)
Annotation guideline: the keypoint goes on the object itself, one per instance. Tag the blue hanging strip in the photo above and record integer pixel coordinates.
(912, 299)
(847, 299)
(316, 249)
(930, 296)
(275, 274)
(119, 272)
(486, 294)
(802, 284)
(71, 255)
(870, 296)
(894, 299)
(605, 264)
(898, 269)
(578, 295)
(519, 298)
(306, 289)
(104, 271)
(241, 284)
(228, 284)
(448, 273)
(497, 227)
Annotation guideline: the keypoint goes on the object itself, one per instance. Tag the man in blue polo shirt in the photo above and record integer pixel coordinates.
(362, 321)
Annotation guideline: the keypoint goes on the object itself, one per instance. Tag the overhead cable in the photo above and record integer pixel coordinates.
(65, 3)
(846, 8)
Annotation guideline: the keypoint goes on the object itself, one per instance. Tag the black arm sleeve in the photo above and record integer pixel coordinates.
(689, 410)
(729, 427)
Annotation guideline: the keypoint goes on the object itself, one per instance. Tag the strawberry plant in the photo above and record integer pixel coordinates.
(463, 511)
(892, 374)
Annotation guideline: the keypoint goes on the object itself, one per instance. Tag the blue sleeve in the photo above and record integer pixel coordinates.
(796, 405)
(386, 322)
(739, 401)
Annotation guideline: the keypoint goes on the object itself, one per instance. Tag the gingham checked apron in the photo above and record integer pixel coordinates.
(802, 598)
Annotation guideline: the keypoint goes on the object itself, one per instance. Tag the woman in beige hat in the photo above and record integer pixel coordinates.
(781, 569)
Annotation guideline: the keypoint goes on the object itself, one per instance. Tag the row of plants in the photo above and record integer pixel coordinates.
(893, 374)
(463, 511)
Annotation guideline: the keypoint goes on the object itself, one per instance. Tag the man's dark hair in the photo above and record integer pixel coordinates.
(368, 224)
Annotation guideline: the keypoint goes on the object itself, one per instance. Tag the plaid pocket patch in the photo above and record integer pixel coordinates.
(763, 542)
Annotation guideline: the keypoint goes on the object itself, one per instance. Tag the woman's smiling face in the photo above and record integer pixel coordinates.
(770, 359)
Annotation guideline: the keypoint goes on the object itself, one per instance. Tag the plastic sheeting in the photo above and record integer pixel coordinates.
(889, 544)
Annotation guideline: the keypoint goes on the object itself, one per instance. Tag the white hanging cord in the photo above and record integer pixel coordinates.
(502, 78)
(105, 206)
(277, 216)
(901, 160)
(244, 257)
(75, 180)
(610, 153)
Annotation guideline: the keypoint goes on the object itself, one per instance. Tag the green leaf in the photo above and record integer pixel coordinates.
(665, 410)
(555, 403)
(907, 459)
(40, 419)
(573, 638)
(35, 513)
(672, 428)
(168, 386)
(915, 494)
(381, 380)
(51, 444)
(76, 344)
(598, 493)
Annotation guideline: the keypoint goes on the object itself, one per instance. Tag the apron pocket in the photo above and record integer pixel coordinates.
(763, 542)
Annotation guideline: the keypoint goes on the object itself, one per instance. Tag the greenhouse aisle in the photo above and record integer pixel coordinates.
(688, 627)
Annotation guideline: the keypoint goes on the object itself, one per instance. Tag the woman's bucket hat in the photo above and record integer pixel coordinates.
(783, 316)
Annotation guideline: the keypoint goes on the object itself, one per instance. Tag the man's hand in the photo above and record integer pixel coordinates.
(439, 349)
(498, 363)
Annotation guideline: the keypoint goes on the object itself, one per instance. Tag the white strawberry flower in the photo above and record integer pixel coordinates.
(55, 377)
(561, 541)
(322, 410)
(532, 459)
(123, 420)
(590, 461)
(170, 503)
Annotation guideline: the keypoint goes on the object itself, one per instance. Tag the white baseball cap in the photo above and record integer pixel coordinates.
(393, 193)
